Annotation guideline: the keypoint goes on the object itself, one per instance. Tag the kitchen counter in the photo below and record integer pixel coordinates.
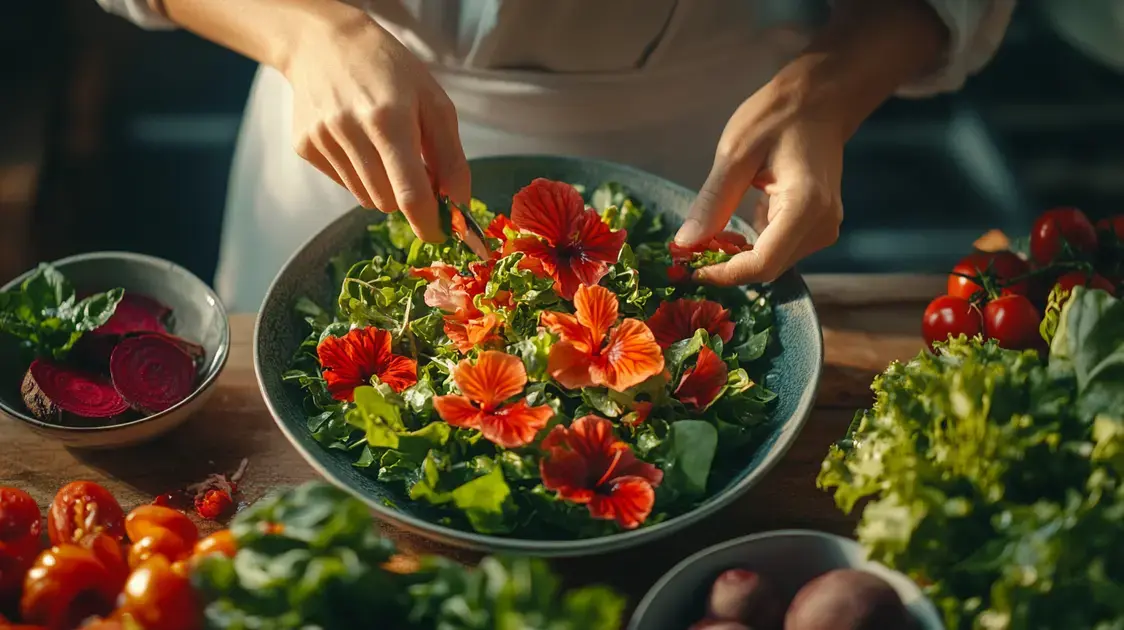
(868, 322)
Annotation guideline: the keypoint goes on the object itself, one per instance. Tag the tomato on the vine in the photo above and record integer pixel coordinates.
(81, 508)
(157, 596)
(1111, 227)
(67, 585)
(1013, 322)
(949, 315)
(1059, 231)
(20, 528)
(1089, 280)
(999, 267)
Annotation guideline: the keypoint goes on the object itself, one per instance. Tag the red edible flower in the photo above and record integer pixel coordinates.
(485, 386)
(496, 229)
(213, 504)
(584, 463)
(351, 361)
(590, 354)
(678, 273)
(639, 414)
(465, 324)
(728, 242)
(679, 319)
(701, 384)
(571, 244)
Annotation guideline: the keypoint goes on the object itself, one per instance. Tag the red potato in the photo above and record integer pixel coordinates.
(848, 599)
(744, 596)
(719, 624)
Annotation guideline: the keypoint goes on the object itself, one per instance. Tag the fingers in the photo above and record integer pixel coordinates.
(397, 136)
(365, 161)
(804, 222)
(442, 150)
(718, 199)
(325, 153)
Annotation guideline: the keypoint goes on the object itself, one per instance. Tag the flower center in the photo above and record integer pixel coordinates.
(612, 466)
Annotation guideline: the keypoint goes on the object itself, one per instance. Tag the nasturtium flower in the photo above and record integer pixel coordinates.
(499, 226)
(486, 387)
(455, 293)
(351, 360)
(586, 464)
(702, 383)
(679, 319)
(726, 242)
(591, 352)
(568, 242)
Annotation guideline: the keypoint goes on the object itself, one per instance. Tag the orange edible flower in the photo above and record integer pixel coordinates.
(455, 293)
(701, 384)
(351, 361)
(585, 463)
(571, 244)
(679, 319)
(585, 358)
(728, 242)
(496, 229)
(485, 388)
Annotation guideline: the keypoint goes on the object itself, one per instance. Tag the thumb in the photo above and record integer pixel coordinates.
(718, 198)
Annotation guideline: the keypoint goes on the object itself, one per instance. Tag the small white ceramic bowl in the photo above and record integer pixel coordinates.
(788, 558)
(197, 315)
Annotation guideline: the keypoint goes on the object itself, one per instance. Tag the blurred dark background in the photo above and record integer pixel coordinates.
(116, 138)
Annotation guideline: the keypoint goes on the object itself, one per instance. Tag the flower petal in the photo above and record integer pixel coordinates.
(629, 502)
(679, 319)
(629, 358)
(596, 310)
(398, 372)
(567, 327)
(435, 271)
(569, 363)
(496, 229)
(515, 425)
(458, 411)
(494, 378)
(595, 240)
(548, 209)
(712, 317)
(563, 470)
(702, 383)
(349, 361)
(468, 328)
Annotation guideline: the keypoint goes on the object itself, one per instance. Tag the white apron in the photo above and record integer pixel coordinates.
(665, 117)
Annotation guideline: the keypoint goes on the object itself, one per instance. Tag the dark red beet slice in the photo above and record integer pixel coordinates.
(152, 372)
(136, 313)
(194, 350)
(52, 391)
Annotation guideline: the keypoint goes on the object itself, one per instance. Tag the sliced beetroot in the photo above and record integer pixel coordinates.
(194, 350)
(152, 372)
(53, 392)
(136, 313)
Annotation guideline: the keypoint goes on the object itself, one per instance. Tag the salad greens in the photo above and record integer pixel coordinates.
(996, 479)
(310, 557)
(573, 384)
(45, 315)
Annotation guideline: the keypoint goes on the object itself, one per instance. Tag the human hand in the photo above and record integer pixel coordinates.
(775, 143)
(367, 113)
(787, 139)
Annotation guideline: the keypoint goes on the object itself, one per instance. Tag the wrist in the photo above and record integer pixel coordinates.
(306, 31)
(865, 53)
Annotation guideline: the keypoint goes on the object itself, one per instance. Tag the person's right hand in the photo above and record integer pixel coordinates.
(368, 114)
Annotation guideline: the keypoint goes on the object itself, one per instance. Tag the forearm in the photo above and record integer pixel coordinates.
(866, 51)
(267, 31)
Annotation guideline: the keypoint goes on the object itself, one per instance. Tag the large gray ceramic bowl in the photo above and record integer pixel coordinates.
(197, 315)
(794, 376)
(787, 558)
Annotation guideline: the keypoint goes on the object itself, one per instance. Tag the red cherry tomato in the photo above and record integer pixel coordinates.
(1056, 228)
(110, 553)
(220, 542)
(157, 596)
(67, 585)
(1000, 266)
(1080, 278)
(1013, 322)
(144, 519)
(20, 528)
(81, 508)
(948, 315)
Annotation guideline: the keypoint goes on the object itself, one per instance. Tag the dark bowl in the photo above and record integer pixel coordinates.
(197, 314)
(794, 375)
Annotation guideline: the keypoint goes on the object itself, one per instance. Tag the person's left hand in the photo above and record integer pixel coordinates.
(778, 143)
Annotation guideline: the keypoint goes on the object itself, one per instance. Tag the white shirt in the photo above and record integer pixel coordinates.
(646, 82)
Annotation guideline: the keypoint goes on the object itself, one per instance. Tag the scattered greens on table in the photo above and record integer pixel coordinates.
(310, 558)
(678, 448)
(994, 478)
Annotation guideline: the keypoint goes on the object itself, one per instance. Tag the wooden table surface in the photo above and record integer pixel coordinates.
(868, 321)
